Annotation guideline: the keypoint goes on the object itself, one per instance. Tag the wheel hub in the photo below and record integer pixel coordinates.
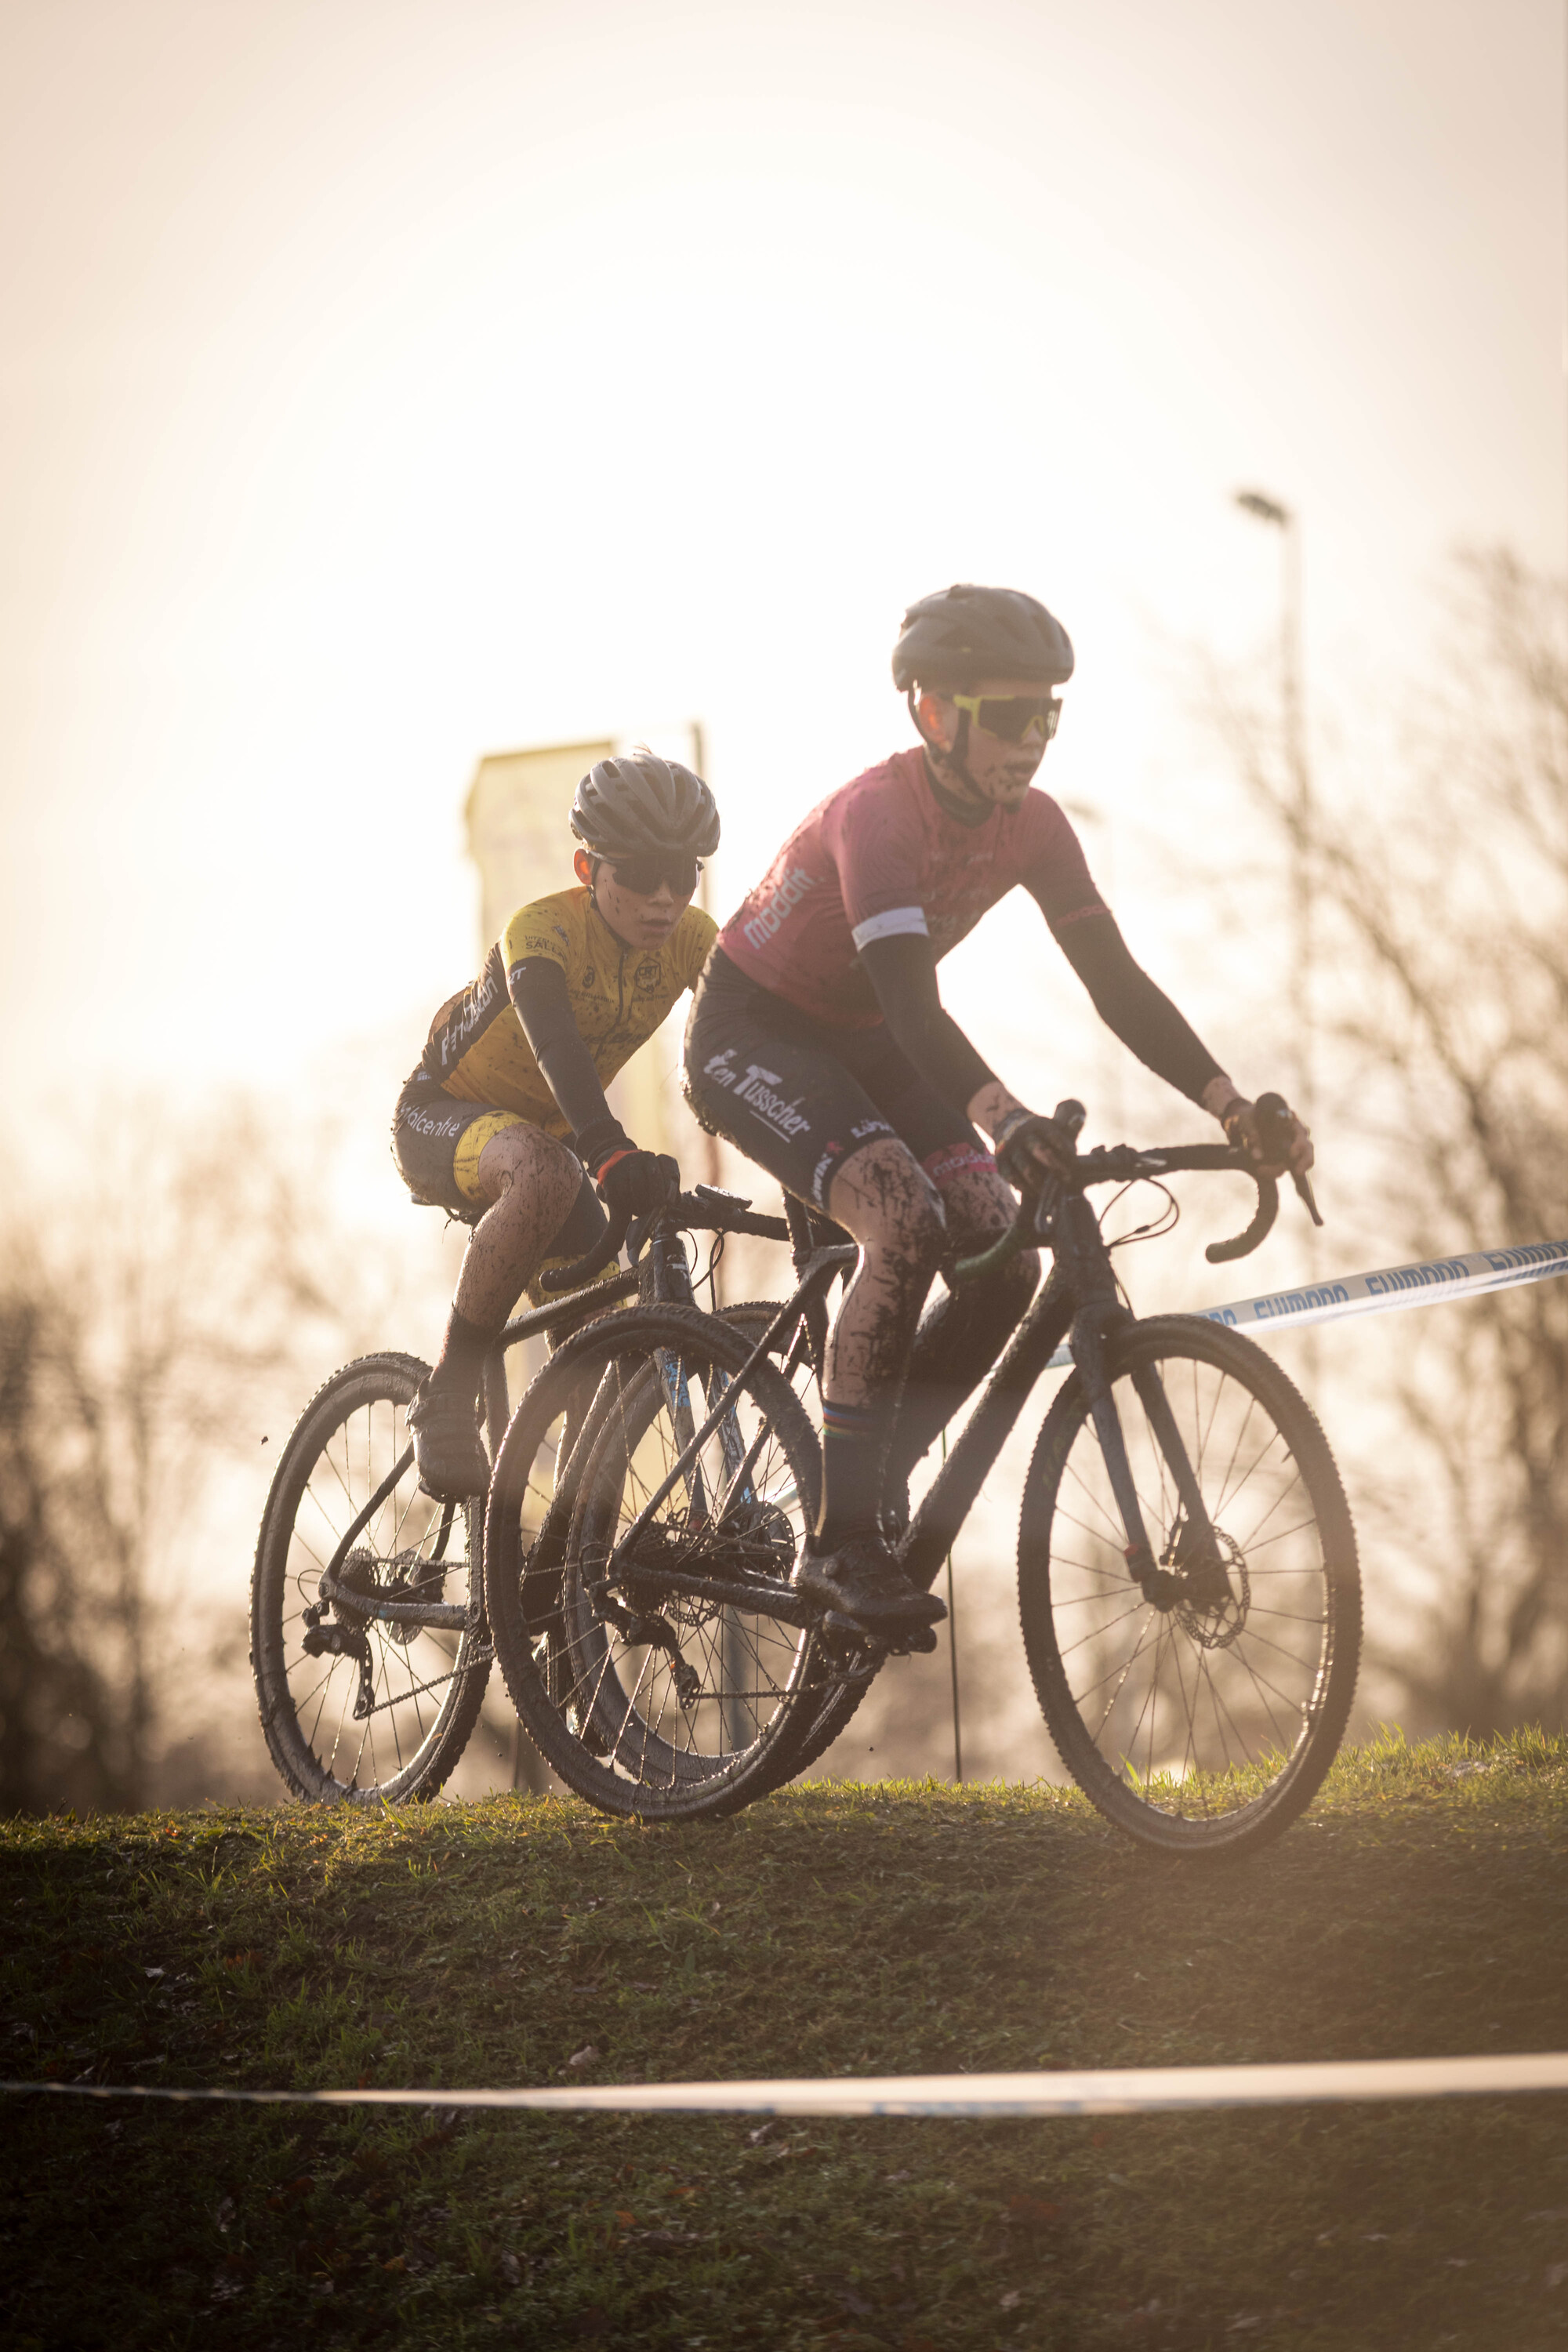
(1210, 1597)
(364, 1574)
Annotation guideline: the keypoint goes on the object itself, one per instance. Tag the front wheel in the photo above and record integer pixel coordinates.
(1201, 1715)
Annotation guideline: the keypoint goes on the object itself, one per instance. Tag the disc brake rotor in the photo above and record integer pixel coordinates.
(1213, 1598)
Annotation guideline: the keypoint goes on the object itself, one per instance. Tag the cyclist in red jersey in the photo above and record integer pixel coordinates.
(817, 1042)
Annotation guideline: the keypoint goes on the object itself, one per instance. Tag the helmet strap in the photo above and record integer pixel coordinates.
(595, 861)
(937, 755)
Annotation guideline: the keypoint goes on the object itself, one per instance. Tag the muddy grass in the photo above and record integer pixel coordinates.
(1422, 1910)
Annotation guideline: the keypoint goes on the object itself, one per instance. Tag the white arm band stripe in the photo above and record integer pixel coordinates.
(889, 926)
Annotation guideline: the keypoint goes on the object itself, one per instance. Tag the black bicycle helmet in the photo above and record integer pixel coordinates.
(623, 806)
(951, 641)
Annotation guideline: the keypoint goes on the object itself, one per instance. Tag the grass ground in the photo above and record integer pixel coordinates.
(1421, 1909)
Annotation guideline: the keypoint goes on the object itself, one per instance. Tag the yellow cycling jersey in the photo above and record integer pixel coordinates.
(476, 1048)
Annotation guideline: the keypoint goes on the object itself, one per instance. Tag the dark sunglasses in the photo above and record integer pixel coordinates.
(1010, 717)
(642, 876)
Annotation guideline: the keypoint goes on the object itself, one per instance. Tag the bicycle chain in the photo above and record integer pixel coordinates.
(380, 1707)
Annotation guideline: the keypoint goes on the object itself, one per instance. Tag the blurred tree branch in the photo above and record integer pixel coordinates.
(1443, 991)
(146, 1304)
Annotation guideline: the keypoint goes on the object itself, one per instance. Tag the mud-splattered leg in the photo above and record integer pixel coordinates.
(530, 1181)
(885, 1201)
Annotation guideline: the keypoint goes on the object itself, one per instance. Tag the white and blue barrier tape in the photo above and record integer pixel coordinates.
(1389, 1287)
(1119, 2090)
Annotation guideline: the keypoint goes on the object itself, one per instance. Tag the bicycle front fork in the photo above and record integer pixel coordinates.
(1190, 1546)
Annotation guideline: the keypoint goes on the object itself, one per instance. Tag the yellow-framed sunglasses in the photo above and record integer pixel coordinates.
(1011, 718)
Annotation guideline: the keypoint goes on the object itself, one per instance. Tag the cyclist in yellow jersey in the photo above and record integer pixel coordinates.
(504, 1122)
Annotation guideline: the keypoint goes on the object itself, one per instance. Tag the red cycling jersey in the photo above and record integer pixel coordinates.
(882, 854)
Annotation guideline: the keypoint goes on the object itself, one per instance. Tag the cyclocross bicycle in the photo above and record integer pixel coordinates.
(1188, 1576)
(369, 1644)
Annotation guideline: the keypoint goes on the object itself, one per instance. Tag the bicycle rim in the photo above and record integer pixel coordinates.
(646, 1700)
(1202, 1719)
(384, 1714)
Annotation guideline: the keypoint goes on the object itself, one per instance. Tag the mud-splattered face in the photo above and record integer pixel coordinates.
(997, 771)
(642, 919)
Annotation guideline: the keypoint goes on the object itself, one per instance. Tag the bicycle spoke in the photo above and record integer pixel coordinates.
(1201, 1690)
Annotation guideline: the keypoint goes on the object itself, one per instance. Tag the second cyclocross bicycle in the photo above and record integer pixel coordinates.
(368, 1638)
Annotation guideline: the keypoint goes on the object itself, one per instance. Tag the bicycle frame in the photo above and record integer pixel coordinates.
(1079, 1296)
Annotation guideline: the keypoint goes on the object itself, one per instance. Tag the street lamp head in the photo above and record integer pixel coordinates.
(1267, 509)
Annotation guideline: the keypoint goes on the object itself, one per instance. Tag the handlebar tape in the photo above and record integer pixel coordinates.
(571, 1278)
(1245, 1243)
(1020, 1234)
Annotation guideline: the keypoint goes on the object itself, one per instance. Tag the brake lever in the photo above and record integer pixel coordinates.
(1303, 1184)
(638, 1234)
(1274, 1134)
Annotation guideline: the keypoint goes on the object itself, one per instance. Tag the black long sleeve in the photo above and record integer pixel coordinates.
(1130, 1003)
(902, 971)
(538, 989)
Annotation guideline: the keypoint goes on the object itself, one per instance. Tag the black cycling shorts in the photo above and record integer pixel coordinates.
(800, 1098)
(436, 1142)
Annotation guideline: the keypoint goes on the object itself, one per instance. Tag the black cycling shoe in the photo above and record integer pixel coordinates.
(448, 1452)
(860, 1579)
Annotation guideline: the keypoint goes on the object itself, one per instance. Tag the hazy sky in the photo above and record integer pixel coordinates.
(384, 382)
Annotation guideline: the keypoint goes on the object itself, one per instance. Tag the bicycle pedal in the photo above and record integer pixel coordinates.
(849, 1629)
(887, 1641)
(921, 1642)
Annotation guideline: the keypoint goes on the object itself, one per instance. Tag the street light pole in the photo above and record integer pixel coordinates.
(1298, 773)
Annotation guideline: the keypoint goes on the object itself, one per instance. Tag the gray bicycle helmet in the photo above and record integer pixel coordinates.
(951, 641)
(640, 803)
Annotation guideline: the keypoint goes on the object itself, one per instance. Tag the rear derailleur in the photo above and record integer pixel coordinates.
(647, 1629)
(342, 1642)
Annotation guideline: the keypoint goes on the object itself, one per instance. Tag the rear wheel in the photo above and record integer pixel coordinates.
(354, 1707)
(648, 1700)
(1203, 1718)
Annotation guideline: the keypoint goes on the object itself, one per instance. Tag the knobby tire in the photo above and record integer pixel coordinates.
(1207, 1725)
(346, 1440)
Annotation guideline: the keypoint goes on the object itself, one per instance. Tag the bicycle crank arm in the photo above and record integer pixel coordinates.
(649, 1586)
(394, 1608)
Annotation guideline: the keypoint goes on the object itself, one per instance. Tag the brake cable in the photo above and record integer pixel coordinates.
(1167, 1221)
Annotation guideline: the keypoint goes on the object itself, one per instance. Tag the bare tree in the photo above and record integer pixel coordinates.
(151, 1301)
(1442, 1011)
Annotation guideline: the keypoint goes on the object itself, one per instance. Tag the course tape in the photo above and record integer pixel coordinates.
(1120, 2092)
(1390, 1288)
